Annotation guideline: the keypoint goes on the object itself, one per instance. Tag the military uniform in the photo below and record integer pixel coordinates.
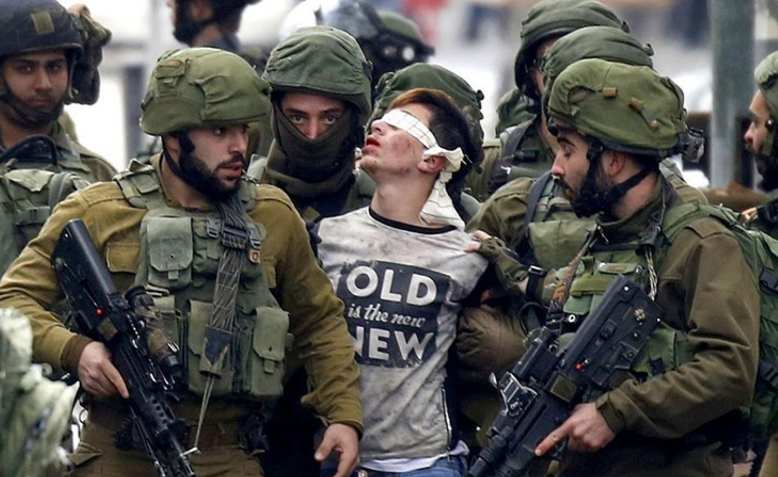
(700, 365)
(40, 171)
(550, 234)
(290, 273)
(175, 253)
(765, 218)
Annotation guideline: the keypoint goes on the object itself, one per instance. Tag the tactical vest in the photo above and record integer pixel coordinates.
(604, 262)
(27, 197)
(179, 257)
(553, 233)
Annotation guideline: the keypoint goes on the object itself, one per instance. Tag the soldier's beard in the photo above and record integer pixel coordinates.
(27, 117)
(195, 172)
(767, 167)
(184, 28)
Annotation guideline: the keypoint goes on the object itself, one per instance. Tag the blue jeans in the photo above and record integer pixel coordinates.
(454, 466)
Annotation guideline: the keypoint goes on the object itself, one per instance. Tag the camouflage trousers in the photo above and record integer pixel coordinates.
(97, 454)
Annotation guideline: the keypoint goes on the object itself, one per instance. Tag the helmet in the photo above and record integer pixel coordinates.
(424, 75)
(606, 43)
(389, 40)
(550, 18)
(323, 60)
(766, 77)
(36, 25)
(185, 28)
(624, 107)
(514, 107)
(201, 87)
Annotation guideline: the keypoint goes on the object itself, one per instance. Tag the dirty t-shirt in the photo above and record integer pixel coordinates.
(402, 287)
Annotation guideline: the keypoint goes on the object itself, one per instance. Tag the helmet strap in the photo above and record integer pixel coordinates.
(591, 199)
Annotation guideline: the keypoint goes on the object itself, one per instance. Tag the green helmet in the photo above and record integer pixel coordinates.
(603, 42)
(202, 87)
(626, 108)
(34, 411)
(425, 75)
(322, 60)
(514, 107)
(550, 18)
(36, 25)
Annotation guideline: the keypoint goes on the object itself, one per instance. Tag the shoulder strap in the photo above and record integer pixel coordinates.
(523, 248)
(513, 137)
(140, 186)
(63, 184)
(535, 193)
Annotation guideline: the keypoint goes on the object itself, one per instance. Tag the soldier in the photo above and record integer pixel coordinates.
(320, 84)
(761, 142)
(215, 24)
(527, 149)
(409, 240)
(51, 59)
(614, 124)
(42, 63)
(169, 226)
(535, 221)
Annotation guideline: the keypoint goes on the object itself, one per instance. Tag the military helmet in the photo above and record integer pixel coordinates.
(424, 75)
(604, 42)
(35, 25)
(626, 108)
(766, 77)
(322, 60)
(201, 87)
(513, 108)
(550, 18)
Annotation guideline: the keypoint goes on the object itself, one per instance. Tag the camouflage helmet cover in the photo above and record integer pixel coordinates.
(425, 75)
(603, 42)
(556, 18)
(625, 107)
(322, 60)
(35, 25)
(766, 77)
(202, 87)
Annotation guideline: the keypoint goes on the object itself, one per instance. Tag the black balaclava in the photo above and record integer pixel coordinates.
(321, 158)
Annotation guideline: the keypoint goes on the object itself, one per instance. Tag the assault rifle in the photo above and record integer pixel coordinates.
(543, 387)
(103, 314)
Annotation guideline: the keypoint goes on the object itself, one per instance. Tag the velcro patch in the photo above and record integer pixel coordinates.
(42, 22)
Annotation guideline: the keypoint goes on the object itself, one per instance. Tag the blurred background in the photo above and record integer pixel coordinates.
(709, 47)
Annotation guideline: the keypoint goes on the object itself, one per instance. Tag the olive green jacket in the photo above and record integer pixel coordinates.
(87, 164)
(707, 291)
(321, 340)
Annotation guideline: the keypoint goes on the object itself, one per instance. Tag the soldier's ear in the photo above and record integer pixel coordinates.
(613, 162)
(200, 10)
(172, 145)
